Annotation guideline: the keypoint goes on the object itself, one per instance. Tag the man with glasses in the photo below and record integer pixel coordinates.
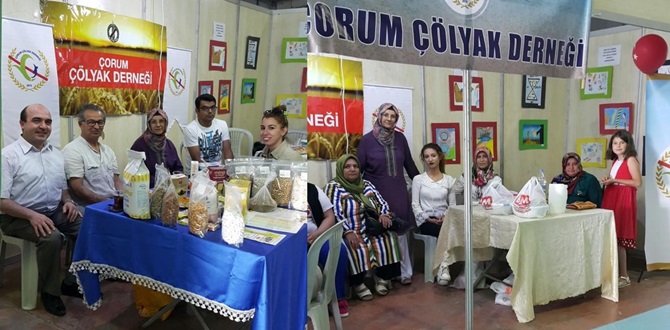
(90, 166)
(207, 138)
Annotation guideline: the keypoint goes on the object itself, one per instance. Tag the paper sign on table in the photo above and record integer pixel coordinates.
(263, 236)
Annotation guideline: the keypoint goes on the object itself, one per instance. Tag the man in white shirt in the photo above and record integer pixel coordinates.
(36, 205)
(90, 166)
(207, 138)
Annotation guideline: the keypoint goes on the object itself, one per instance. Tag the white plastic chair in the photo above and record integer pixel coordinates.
(317, 308)
(429, 244)
(237, 136)
(293, 137)
(28, 268)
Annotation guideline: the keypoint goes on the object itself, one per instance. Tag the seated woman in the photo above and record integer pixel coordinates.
(274, 127)
(482, 175)
(432, 191)
(350, 195)
(157, 147)
(582, 186)
(320, 217)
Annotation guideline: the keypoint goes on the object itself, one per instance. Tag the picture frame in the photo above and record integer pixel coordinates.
(456, 93)
(533, 134)
(485, 134)
(447, 136)
(294, 50)
(303, 85)
(296, 104)
(533, 91)
(224, 97)
(251, 58)
(616, 116)
(597, 84)
(205, 87)
(592, 151)
(248, 91)
(218, 55)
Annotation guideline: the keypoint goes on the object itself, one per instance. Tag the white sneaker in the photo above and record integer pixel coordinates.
(503, 299)
(443, 277)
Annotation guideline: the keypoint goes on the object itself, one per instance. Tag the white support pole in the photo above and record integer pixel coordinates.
(467, 158)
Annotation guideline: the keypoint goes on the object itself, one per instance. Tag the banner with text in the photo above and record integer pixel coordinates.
(114, 61)
(657, 178)
(543, 37)
(177, 86)
(334, 106)
(28, 76)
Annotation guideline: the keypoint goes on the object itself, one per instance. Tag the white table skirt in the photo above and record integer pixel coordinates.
(556, 257)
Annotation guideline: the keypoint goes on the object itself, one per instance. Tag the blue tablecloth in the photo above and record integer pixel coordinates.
(259, 281)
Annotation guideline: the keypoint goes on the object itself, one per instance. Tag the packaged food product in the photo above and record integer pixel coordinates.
(180, 182)
(299, 188)
(136, 186)
(262, 200)
(233, 220)
(160, 187)
(202, 189)
(280, 188)
(170, 207)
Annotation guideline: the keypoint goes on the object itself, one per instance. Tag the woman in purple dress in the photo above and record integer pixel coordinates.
(156, 146)
(383, 153)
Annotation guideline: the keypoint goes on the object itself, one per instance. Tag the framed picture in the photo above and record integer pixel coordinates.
(303, 85)
(597, 84)
(205, 87)
(533, 91)
(485, 134)
(252, 52)
(248, 91)
(592, 151)
(294, 50)
(616, 116)
(296, 104)
(217, 55)
(456, 93)
(533, 134)
(224, 97)
(447, 136)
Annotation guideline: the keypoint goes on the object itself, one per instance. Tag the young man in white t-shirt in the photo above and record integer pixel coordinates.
(207, 138)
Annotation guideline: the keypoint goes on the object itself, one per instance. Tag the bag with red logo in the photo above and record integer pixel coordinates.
(496, 199)
(531, 201)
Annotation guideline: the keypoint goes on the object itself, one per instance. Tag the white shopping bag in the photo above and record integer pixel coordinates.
(531, 201)
(496, 199)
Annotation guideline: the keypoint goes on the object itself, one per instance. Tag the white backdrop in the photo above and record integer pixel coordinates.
(29, 75)
(176, 99)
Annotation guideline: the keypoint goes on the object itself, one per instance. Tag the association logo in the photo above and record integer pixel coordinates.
(29, 70)
(663, 173)
(400, 124)
(113, 32)
(177, 81)
(471, 8)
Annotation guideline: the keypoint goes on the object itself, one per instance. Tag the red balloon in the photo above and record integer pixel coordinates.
(649, 53)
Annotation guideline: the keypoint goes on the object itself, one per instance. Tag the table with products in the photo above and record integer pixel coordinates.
(555, 257)
(266, 283)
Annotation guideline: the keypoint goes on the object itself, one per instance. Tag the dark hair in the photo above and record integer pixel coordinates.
(278, 113)
(204, 97)
(439, 151)
(24, 114)
(90, 106)
(630, 145)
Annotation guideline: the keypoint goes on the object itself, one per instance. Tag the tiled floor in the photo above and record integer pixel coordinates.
(416, 306)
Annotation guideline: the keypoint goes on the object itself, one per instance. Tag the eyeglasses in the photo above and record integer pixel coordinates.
(212, 108)
(91, 123)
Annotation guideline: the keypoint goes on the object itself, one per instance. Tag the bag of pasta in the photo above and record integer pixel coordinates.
(263, 201)
(232, 221)
(299, 188)
(198, 216)
(160, 187)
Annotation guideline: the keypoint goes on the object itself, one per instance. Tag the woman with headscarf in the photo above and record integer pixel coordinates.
(350, 195)
(483, 175)
(383, 153)
(156, 146)
(582, 186)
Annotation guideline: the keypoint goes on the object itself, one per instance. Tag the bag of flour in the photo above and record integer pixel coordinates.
(136, 200)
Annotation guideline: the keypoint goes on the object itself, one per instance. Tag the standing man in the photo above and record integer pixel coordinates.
(207, 138)
(36, 205)
(90, 166)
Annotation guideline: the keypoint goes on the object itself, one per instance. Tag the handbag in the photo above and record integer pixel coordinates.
(373, 226)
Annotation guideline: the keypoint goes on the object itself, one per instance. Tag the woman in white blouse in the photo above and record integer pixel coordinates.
(432, 191)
